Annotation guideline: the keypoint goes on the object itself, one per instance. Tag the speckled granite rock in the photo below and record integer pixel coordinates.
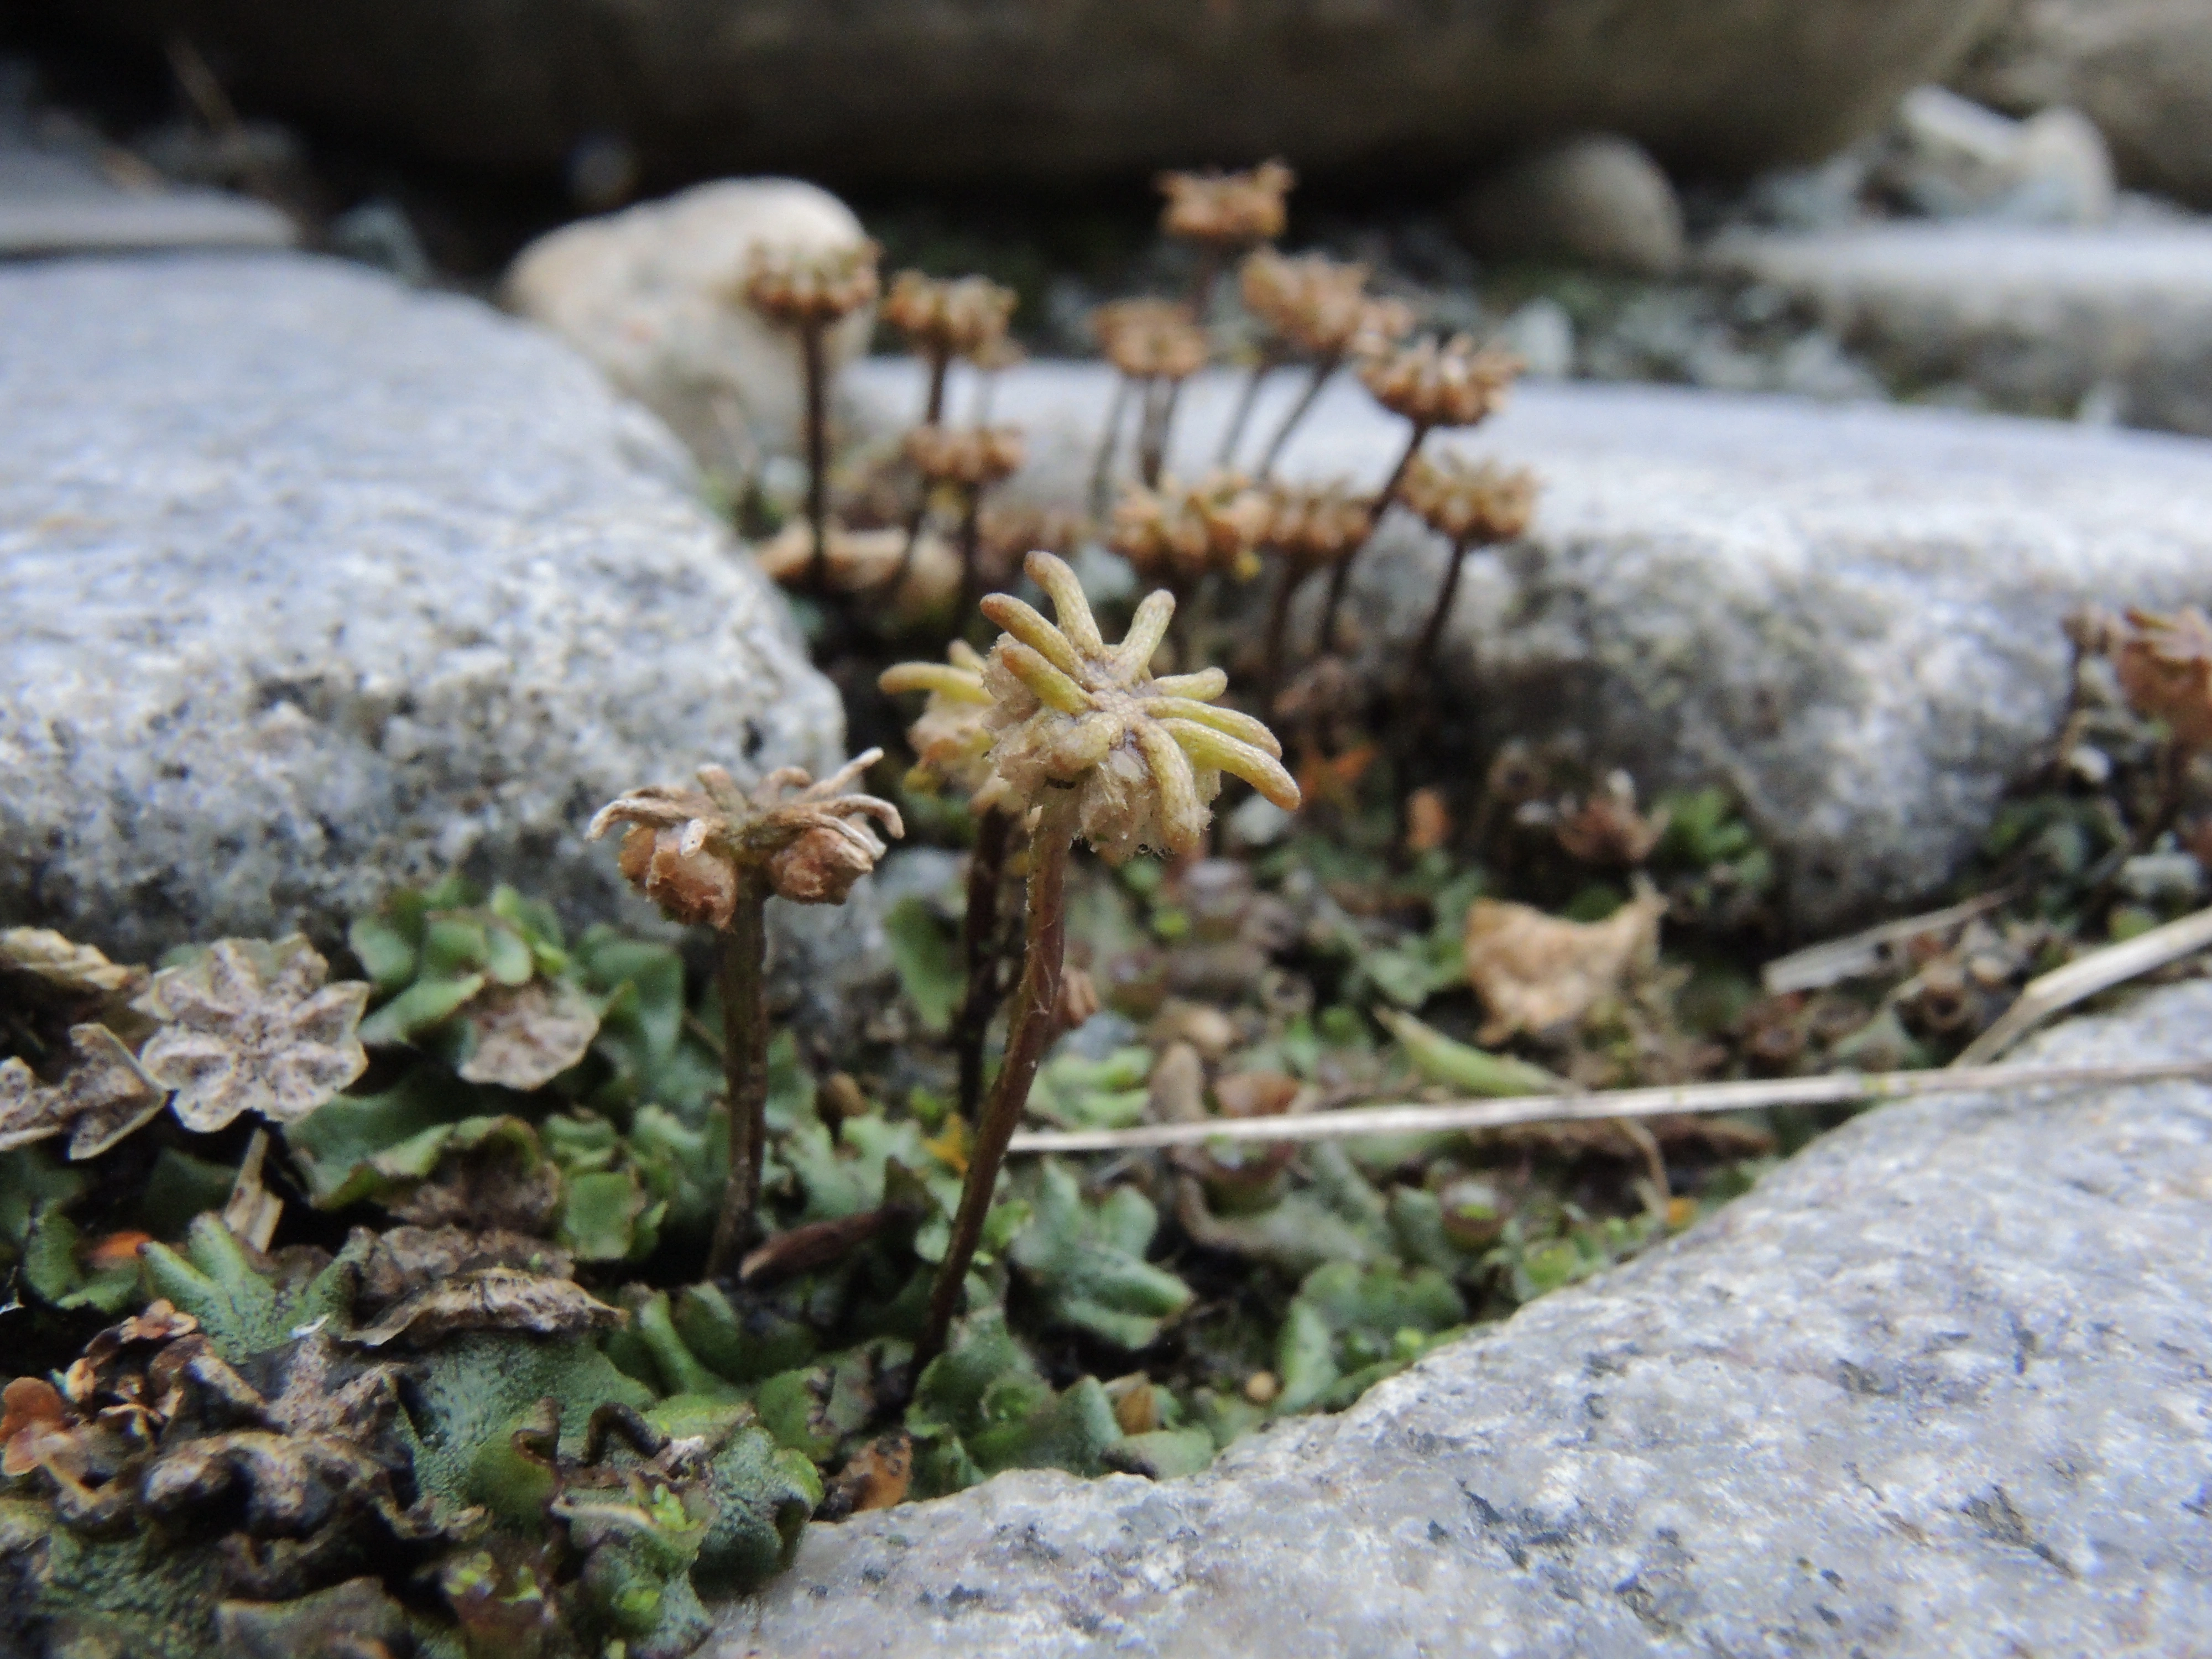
(1849, 614)
(1935, 1388)
(310, 585)
(2045, 318)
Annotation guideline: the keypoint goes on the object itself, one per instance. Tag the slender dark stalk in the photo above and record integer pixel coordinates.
(745, 1069)
(978, 953)
(971, 517)
(1152, 433)
(1242, 416)
(1101, 471)
(818, 455)
(933, 410)
(1341, 577)
(1424, 648)
(1410, 731)
(913, 523)
(1316, 381)
(1037, 1003)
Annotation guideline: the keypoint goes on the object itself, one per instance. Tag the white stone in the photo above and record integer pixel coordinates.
(652, 294)
(1952, 158)
(2031, 317)
(2142, 70)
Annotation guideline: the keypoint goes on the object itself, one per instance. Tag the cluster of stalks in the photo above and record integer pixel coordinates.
(1056, 735)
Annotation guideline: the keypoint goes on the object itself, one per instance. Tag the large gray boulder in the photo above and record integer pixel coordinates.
(2046, 319)
(2142, 70)
(1935, 1388)
(310, 585)
(891, 90)
(1850, 615)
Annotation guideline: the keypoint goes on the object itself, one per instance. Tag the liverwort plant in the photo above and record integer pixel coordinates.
(1431, 384)
(714, 854)
(810, 292)
(952, 741)
(1086, 743)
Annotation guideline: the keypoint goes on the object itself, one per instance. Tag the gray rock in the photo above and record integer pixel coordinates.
(1948, 157)
(1850, 615)
(58, 201)
(1596, 200)
(888, 89)
(2142, 70)
(310, 586)
(2034, 319)
(650, 295)
(1935, 1388)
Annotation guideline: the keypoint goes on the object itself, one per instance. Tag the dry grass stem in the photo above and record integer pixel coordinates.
(1397, 1118)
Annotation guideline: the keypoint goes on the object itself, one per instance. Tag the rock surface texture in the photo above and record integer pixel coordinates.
(884, 90)
(2141, 69)
(2031, 317)
(310, 586)
(652, 296)
(1850, 615)
(1935, 1388)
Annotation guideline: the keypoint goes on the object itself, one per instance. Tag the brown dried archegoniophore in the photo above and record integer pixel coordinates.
(1475, 503)
(713, 853)
(1178, 532)
(1227, 210)
(805, 289)
(1150, 339)
(973, 458)
(690, 849)
(949, 317)
(1442, 384)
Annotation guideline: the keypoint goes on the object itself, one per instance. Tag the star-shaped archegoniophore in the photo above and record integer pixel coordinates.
(1074, 712)
(687, 849)
(250, 1026)
(951, 738)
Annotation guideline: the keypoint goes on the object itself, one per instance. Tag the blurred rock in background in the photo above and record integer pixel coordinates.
(890, 90)
(1597, 200)
(650, 295)
(2142, 70)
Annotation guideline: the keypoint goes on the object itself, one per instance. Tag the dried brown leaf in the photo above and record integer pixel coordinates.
(492, 1299)
(528, 1034)
(100, 1100)
(402, 1261)
(1535, 973)
(65, 964)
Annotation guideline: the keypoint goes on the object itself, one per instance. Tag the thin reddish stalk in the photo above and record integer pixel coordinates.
(1340, 579)
(979, 937)
(745, 1070)
(1036, 1004)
